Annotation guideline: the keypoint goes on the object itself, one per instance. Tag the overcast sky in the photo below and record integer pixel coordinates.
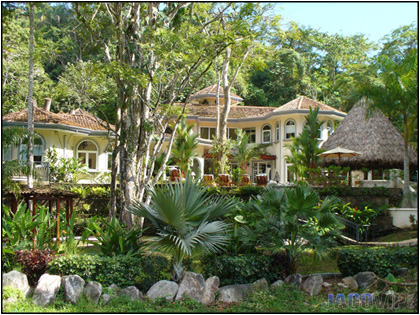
(374, 19)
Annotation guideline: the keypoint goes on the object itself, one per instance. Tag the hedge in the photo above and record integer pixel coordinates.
(245, 268)
(381, 261)
(121, 270)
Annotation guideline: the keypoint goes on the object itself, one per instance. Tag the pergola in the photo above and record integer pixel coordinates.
(55, 197)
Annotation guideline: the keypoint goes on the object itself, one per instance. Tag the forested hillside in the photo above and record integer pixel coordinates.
(72, 59)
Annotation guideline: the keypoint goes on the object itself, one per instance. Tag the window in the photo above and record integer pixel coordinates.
(278, 131)
(38, 149)
(7, 153)
(330, 127)
(231, 134)
(266, 134)
(290, 129)
(88, 151)
(251, 133)
(207, 133)
(290, 175)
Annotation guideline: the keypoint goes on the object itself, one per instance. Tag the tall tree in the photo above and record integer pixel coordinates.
(395, 88)
(30, 101)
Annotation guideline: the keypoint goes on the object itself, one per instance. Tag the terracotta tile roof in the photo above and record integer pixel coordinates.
(304, 102)
(81, 118)
(235, 111)
(212, 90)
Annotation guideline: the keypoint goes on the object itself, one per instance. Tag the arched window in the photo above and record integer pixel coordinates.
(330, 127)
(38, 149)
(266, 134)
(88, 152)
(290, 129)
(278, 131)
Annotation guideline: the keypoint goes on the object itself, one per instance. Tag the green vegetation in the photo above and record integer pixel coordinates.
(398, 236)
(185, 217)
(379, 260)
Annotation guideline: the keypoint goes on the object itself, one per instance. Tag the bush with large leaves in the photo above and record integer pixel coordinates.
(292, 220)
(185, 217)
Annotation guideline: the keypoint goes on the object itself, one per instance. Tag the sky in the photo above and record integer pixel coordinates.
(374, 19)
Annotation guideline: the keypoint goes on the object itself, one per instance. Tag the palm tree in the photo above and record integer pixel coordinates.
(243, 150)
(184, 216)
(292, 220)
(184, 147)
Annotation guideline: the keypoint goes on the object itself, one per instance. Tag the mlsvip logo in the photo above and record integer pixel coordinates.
(354, 299)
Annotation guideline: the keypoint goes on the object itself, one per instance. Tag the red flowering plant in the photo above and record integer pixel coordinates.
(360, 216)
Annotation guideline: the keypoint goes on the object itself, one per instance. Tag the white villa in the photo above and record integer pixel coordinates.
(80, 134)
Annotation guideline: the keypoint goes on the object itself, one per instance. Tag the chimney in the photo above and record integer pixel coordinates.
(47, 104)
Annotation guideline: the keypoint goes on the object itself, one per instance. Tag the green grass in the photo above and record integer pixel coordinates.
(398, 236)
(308, 263)
(281, 300)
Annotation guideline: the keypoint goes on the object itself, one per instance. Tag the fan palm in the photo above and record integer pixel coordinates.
(184, 215)
(292, 220)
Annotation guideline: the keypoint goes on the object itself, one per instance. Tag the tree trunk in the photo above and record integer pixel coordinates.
(30, 95)
(406, 202)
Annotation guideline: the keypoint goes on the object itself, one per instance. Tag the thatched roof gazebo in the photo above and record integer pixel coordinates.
(379, 142)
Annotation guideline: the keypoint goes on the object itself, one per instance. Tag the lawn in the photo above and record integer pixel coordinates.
(398, 236)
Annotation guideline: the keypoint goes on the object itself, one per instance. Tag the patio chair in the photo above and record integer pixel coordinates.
(175, 174)
(224, 180)
(245, 180)
(208, 179)
(262, 180)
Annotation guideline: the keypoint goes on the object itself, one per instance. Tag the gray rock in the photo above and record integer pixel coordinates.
(342, 285)
(364, 279)
(93, 291)
(133, 293)
(350, 282)
(46, 290)
(210, 288)
(326, 285)
(113, 290)
(105, 299)
(260, 284)
(313, 284)
(163, 289)
(16, 280)
(277, 284)
(234, 293)
(192, 284)
(73, 288)
(294, 279)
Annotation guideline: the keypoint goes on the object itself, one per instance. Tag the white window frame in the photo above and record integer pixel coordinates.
(209, 133)
(87, 152)
(278, 131)
(250, 133)
(22, 147)
(231, 131)
(330, 128)
(285, 131)
(286, 175)
(266, 131)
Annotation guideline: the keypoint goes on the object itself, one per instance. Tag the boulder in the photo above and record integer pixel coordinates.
(234, 293)
(16, 280)
(260, 284)
(364, 279)
(350, 282)
(313, 284)
(163, 289)
(46, 290)
(93, 291)
(113, 290)
(73, 288)
(342, 285)
(133, 293)
(278, 283)
(192, 284)
(326, 285)
(210, 288)
(294, 279)
(105, 299)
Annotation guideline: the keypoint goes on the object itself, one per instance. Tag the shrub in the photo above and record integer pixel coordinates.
(245, 268)
(381, 261)
(121, 270)
(34, 262)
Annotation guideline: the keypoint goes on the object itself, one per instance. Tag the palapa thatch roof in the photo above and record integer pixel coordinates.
(379, 142)
(79, 118)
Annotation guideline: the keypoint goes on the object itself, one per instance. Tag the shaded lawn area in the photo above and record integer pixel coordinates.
(398, 236)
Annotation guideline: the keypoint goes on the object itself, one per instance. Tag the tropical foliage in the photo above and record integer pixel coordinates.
(186, 219)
